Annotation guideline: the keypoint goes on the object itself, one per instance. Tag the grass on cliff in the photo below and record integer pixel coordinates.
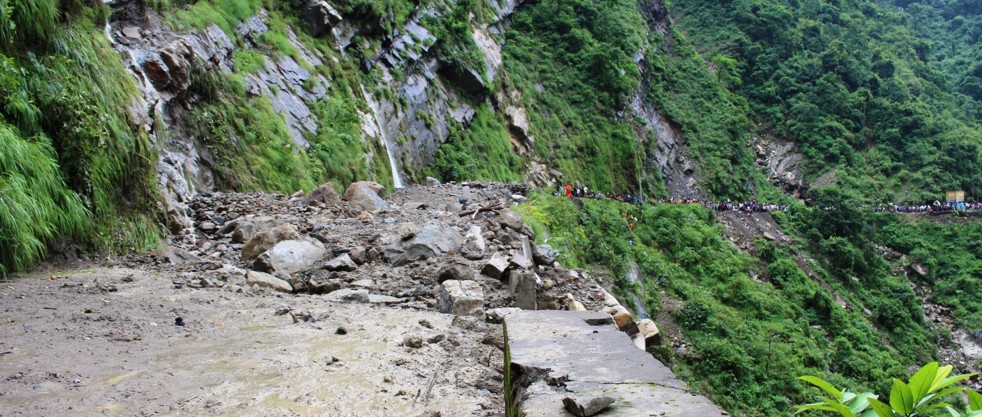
(752, 324)
(74, 166)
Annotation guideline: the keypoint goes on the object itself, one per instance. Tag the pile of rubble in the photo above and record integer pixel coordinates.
(456, 248)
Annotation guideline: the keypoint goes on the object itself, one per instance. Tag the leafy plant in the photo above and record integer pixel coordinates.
(923, 393)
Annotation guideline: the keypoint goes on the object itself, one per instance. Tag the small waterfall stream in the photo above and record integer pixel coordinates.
(377, 114)
(634, 275)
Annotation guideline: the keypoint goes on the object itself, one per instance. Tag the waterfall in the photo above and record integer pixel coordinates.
(634, 275)
(383, 133)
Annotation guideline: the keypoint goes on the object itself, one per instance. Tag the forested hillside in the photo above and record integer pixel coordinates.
(878, 98)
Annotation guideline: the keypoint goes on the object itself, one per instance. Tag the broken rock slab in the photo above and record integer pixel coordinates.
(267, 281)
(649, 331)
(594, 359)
(496, 266)
(323, 196)
(521, 284)
(474, 246)
(462, 298)
(582, 407)
(519, 261)
(341, 263)
(456, 271)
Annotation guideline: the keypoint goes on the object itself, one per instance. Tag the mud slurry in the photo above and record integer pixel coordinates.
(91, 343)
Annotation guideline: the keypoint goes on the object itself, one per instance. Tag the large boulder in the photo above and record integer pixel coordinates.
(433, 239)
(324, 195)
(245, 228)
(267, 281)
(290, 256)
(474, 246)
(263, 241)
(366, 196)
(462, 298)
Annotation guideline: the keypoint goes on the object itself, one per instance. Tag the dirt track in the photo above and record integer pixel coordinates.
(104, 342)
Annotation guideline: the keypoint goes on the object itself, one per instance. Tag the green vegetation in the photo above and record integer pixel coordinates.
(752, 323)
(572, 62)
(71, 165)
(481, 151)
(253, 148)
(923, 393)
(953, 256)
(713, 119)
(855, 87)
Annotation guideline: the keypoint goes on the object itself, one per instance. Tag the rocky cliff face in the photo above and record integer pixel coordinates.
(410, 108)
(413, 98)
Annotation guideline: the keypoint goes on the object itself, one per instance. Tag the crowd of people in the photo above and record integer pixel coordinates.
(752, 206)
(936, 207)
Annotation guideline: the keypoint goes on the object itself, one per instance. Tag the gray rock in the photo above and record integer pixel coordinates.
(461, 298)
(267, 281)
(207, 227)
(132, 32)
(496, 266)
(510, 220)
(519, 261)
(407, 231)
(349, 296)
(341, 263)
(474, 246)
(521, 284)
(291, 256)
(261, 242)
(321, 17)
(544, 255)
(649, 331)
(366, 196)
(457, 271)
(413, 342)
(324, 195)
(433, 239)
(918, 269)
(432, 182)
(358, 254)
(582, 407)
(177, 256)
(244, 229)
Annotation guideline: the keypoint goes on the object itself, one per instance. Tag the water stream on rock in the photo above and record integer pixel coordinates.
(634, 275)
(377, 114)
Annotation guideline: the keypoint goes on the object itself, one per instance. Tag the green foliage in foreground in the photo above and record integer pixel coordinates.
(923, 393)
(71, 164)
(748, 337)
